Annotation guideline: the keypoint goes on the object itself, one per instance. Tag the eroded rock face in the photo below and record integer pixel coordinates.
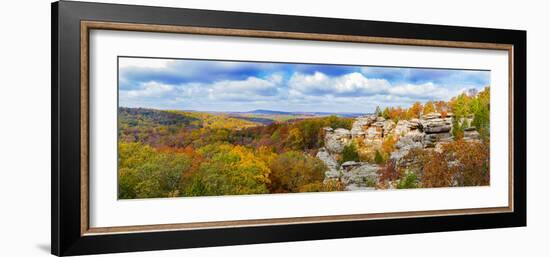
(330, 162)
(431, 140)
(359, 175)
(359, 125)
(412, 140)
(372, 130)
(402, 127)
(436, 126)
(336, 140)
(471, 135)
(388, 127)
(437, 130)
(415, 124)
(429, 131)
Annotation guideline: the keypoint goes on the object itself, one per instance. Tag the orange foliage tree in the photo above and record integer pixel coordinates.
(415, 110)
(473, 165)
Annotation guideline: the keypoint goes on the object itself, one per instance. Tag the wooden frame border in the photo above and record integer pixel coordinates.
(86, 26)
(69, 131)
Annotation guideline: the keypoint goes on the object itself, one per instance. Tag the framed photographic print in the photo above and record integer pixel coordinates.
(177, 128)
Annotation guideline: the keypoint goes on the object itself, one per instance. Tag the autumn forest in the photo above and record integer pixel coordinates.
(189, 127)
(186, 153)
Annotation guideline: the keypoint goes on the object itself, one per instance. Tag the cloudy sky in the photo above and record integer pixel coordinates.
(204, 85)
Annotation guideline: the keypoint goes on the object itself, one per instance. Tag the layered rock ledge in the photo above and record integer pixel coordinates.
(429, 131)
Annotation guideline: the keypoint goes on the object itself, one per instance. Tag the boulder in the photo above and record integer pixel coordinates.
(437, 129)
(327, 159)
(328, 129)
(412, 140)
(336, 140)
(359, 125)
(430, 140)
(387, 127)
(373, 132)
(342, 132)
(359, 175)
(349, 165)
(415, 124)
(436, 125)
(402, 127)
(471, 135)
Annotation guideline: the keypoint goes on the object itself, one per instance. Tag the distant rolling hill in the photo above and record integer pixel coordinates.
(272, 112)
(267, 117)
(145, 118)
(269, 112)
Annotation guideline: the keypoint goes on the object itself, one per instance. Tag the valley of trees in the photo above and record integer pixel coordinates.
(182, 153)
(198, 154)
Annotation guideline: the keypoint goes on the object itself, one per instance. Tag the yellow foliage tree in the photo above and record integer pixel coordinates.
(429, 107)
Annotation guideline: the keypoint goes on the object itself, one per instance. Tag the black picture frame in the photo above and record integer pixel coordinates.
(66, 234)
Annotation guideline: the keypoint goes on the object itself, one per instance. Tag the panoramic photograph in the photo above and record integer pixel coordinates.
(190, 127)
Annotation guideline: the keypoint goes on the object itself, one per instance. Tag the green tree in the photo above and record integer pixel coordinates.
(457, 129)
(378, 158)
(377, 111)
(480, 107)
(460, 106)
(386, 114)
(335, 122)
(349, 153)
(410, 180)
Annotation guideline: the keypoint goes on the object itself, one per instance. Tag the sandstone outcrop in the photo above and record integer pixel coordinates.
(412, 140)
(336, 139)
(429, 131)
(330, 162)
(359, 175)
(470, 134)
(437, 129)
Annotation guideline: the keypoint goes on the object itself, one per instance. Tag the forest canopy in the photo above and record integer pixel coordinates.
(184, 153)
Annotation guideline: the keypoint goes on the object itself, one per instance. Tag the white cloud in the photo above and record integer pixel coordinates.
(248, 90)
(252, 88)
(149, 89)
(423, 91)
(352, 84)
(357, 85)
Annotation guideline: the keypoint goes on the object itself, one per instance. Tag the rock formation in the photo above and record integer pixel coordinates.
(330, 162)
(429, 131)
(359, 175)
(335, 140)
(437, 129)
